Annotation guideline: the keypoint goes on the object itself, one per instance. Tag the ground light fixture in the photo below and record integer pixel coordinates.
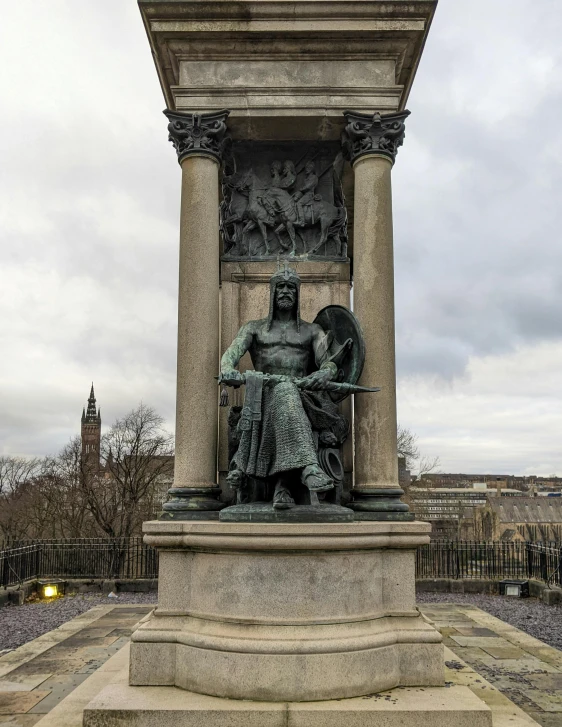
(51, 588)
(519, 589)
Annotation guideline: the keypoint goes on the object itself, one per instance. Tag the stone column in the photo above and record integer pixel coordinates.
(370, 143)
(199, 140)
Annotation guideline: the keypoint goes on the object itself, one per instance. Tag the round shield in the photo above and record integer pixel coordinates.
(347, 348)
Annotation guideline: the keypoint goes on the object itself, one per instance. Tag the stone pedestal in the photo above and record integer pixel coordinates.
(292, 612)
(263, 625)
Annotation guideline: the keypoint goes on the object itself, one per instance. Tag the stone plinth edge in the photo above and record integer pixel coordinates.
(286, 536)
(119, 706)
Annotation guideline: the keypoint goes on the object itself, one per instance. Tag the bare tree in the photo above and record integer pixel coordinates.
(427, 465)
(407, 446)
(17, 494)
(137, 454)
(63, 493)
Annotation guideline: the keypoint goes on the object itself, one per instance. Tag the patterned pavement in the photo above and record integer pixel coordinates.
(507, 668)
(522, 668)
(40, 674)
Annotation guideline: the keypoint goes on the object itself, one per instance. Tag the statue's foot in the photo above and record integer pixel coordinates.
(316, 479)
(282, 499)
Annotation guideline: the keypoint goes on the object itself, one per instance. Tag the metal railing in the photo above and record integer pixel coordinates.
(130, 558)
(122, 558)
(461, 559)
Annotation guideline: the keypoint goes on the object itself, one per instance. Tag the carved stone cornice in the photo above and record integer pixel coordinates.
(373, 134)
(198, 133)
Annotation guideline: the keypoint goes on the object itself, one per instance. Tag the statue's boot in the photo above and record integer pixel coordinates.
(316, 479)
(282, 499)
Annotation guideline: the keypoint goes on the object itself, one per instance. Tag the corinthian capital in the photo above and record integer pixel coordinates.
(198, 133)
(373, 134)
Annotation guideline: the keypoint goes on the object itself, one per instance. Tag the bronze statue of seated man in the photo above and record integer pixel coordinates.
(287, 410)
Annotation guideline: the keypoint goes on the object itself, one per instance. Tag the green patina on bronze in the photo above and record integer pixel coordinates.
(290, 416)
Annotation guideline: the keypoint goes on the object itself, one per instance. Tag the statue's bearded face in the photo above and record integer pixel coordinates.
(286, 296)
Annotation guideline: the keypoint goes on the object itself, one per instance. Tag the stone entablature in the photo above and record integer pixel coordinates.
(287, 69)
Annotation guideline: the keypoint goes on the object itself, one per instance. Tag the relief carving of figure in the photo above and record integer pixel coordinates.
(275, 206)
(305, 196)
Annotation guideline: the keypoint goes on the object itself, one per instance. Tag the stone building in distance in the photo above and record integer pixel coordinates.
(533, 519)
(525, 483)
(451, 511)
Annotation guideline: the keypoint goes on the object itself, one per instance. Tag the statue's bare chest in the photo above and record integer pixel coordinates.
(282, 349)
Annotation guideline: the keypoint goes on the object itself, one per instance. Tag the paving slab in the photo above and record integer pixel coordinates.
(501, 680)
(546, 719)
(20, 702)
(19, 720)
(22, 682)
(519, 669)
(60, 687)
(476, 631)
(505, 652)
(480, 641)
(547, 702)
(36, 678)
(17, 657)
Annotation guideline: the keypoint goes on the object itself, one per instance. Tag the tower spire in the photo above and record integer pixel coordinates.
(91, 411)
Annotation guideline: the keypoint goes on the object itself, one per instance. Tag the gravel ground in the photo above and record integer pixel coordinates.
(528, 614)
(20, 624)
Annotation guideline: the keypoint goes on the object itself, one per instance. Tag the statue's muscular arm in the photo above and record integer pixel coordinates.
(326, 369)
(233, 354)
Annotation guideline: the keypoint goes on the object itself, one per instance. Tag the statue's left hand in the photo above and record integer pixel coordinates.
(316, 381)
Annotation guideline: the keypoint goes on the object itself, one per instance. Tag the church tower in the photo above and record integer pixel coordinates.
(91, 431)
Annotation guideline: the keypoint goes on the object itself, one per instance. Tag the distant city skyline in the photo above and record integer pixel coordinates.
(89, 200)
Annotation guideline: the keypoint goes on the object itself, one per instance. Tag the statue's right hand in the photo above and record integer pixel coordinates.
(231, 378)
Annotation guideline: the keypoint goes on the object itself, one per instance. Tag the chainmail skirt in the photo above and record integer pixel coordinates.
(282, 440)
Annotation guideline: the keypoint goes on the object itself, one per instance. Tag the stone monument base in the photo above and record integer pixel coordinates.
(119, 705)
(300, 624)
(290, 612)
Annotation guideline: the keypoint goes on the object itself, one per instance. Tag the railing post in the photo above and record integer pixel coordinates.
(543, 566)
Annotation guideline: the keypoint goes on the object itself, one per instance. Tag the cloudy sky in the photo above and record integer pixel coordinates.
(89, 203)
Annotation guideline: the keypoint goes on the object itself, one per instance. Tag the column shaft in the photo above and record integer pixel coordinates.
(195, 489)
(376, 490)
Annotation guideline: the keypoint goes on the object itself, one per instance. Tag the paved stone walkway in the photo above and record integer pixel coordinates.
(522, 668)
(38, 675)
(519, 677)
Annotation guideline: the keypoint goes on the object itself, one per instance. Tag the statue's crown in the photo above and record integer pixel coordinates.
(285, 274)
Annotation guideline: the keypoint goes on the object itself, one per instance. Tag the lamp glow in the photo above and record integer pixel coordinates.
(50, 591)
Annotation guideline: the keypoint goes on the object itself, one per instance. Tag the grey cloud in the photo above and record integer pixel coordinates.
(89, 208)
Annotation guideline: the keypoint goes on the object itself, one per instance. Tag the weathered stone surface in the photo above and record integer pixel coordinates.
(280, 611)
(287, 69)
(171, 707)
(376, 492)
(20, 702)
(195, 489)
